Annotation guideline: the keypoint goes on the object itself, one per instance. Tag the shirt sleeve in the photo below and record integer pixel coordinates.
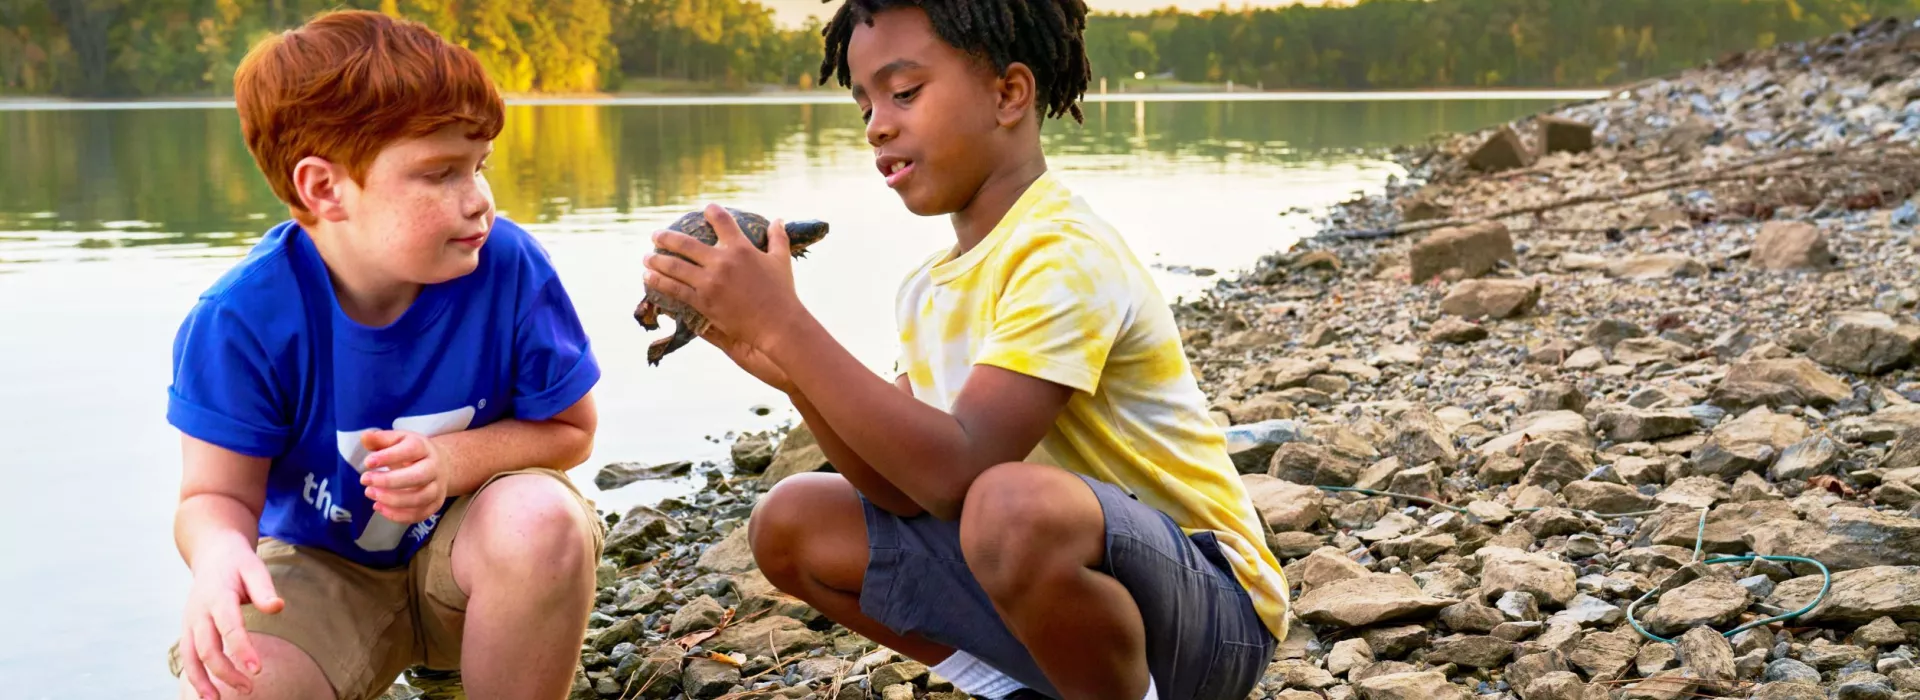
(1060, 313)
(556, 366)
(223, 388)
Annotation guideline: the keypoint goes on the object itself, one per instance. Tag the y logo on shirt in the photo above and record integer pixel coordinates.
(381, 534)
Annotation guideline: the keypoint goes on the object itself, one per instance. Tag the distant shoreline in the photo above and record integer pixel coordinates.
(56, 104)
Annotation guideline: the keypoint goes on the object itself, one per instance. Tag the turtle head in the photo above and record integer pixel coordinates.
(802, 234)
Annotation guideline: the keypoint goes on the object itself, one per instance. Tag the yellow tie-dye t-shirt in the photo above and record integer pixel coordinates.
(1053, 292)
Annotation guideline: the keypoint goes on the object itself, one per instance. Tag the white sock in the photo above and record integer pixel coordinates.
(974, 677)
(1151, 693)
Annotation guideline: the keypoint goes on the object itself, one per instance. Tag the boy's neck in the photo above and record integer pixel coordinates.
(368, 298)
(994, 198)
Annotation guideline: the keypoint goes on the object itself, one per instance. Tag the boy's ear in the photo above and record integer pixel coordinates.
(319, 182)
(1016, 94)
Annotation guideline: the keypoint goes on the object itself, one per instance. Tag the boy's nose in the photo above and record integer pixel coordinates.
(880, 130)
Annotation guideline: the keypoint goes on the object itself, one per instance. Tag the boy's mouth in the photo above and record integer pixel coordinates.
(894, 168)
(474, 240)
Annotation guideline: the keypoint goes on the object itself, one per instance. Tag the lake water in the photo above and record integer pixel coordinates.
(113, 221)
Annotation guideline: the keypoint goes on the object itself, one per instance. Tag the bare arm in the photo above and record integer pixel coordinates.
(558, 443)
(928, 454)
(423, 472)
(848, 462)
(215, 526)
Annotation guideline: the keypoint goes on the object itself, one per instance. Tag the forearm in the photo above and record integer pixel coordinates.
(848, 462)
(924, 452)
(210, 522)
(473, 456)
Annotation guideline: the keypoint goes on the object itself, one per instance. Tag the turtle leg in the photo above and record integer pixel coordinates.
(683, 333)
(648, 315)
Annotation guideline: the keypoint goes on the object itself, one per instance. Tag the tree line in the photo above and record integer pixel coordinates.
(95, 48)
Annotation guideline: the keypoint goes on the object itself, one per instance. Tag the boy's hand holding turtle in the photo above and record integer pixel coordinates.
(743, 292)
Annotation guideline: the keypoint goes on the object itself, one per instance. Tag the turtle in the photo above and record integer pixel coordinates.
(688, 323)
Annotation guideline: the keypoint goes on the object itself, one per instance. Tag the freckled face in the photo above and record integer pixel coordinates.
(425, 208)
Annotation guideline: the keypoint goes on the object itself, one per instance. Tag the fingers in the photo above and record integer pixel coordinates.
(405, 499)
(407, 515)
(682, 244)
(413, 475)
(665, 282)
(206, 641)
(777, 243)
(725, 227)
(410, 448)
(377, 440)
(259, 587)
(679, 270)
(233, 634)
(194, 671)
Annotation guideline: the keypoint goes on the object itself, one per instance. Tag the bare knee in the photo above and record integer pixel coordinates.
(793, 518)
(286, 673)
(1022, 524)
(525, 524)
(780, 521)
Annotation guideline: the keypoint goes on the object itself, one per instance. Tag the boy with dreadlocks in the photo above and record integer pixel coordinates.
(1039, 503)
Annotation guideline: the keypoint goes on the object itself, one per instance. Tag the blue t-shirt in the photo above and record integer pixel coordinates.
(266, 364)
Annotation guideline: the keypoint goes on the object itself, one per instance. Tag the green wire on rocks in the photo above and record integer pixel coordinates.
(1699, 544)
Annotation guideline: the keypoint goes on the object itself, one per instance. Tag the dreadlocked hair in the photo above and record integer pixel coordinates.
(1044, 35)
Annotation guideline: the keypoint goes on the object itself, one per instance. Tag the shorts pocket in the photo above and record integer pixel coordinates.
(1235, 670)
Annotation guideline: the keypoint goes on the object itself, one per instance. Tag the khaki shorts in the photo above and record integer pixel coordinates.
(364, 626)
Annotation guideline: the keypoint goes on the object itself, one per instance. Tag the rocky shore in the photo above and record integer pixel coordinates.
(1598, 348)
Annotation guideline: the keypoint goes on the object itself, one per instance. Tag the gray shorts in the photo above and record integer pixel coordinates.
(1204, 640)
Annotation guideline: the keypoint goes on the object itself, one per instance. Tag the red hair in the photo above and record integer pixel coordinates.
(345, 85)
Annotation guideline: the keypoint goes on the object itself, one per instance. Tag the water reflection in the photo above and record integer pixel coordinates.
(77, 185)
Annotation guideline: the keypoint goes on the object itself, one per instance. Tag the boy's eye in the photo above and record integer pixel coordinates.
(866, 116)
(907, 94)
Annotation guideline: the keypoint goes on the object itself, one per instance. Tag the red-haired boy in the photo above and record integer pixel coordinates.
(379, 402)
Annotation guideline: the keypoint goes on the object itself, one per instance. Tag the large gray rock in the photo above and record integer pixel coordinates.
(1791, 245)
(1325, 565)
(767, 636)
(1411, 686)
(1640, 425)
(699, 615)
(1656, 266)
(1302, 463)
(640, 527)
(1606, 656)
(706, 679)
(1284, 506)
(1395, 642)
(1503, 150)
(1504, 569)
(1858, 596)
(1472, 650)
(1705, 654)
(1561, 426)
(620, 474)
(732, 555)
(1419, 438)
(1749, 443)
(1491, 298)
(1808, 384)
(1867, 342)
(1473, 250)
(752, 453)
(1706, 601)
(1562, 135)
(1805, 459)
(1845, 538)
(1556, 464)
(1603, 497)
(1791, 671)
(1729, 526)
(1368, 600)
(1471, 617)
(799, 453)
